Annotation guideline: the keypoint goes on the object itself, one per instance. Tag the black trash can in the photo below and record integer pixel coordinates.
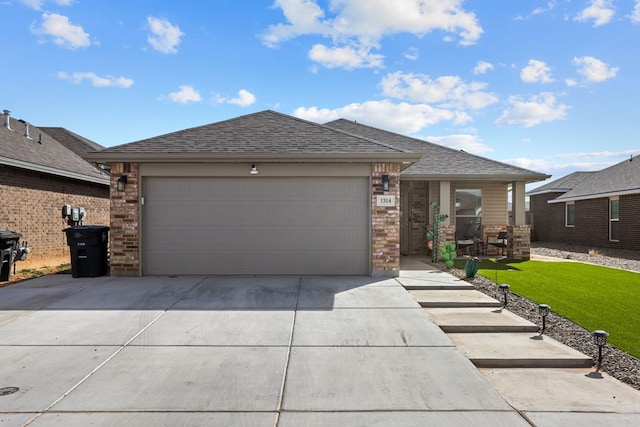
(8, 244)
(89, 250)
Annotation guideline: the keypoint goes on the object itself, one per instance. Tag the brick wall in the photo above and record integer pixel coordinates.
(31, 204)
(385, 222)
(591, 222)
(519, 242)
(125, 219)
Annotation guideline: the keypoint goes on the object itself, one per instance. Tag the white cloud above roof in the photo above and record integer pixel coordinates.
(185, 94)
(528, 113)
(635, 14)
(345, 57)
(593, 69)
(97, 81)
(244, 98)
(536, 72)
(357, 26)
(482, 67)
(38, 4)
(450, 91)
(600, 11)
(64, 33)
(164, 37)
(469, 143)
(397, 117)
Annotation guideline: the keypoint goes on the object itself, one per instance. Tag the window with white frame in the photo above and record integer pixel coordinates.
(614, 219)
(570, 214)
(468, 213)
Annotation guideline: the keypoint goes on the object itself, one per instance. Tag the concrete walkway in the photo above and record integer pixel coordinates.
(549, 383)
(311, 351)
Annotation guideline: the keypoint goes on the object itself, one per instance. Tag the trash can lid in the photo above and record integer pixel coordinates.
(6, 235)
(88, 227)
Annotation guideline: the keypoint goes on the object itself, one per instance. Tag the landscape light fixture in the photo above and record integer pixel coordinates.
(385, 182)
(544, 310)
(254, 169)
(121, 183)
(505, 290)
(599, 339)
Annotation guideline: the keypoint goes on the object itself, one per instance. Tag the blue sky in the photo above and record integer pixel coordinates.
(548, 85)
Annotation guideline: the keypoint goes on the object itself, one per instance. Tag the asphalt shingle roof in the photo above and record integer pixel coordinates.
(561, 185)
(262, 132)
(43, 153)
(621, 178)
(74, 142)
(438, 161)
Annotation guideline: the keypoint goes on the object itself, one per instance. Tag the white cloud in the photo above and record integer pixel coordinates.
(601, 11)
(345, 57)
(635, 15)
(64, 33)
(402, 117)
(482, 67)
(450, 91)
(469, 143)
(164, 36)
(536, 72)
(185, 95)
(593, 69)
(413, 53)
(244, 99)
(37, 4)
(97, 81)
(361, 24)
(571, 82)
(539, 109)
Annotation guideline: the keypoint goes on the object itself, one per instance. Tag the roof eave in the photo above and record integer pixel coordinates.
(115, 157)
(595, 196)
(480, 177)
(104, 180)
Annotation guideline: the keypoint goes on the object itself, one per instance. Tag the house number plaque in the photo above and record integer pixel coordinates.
(386, 200)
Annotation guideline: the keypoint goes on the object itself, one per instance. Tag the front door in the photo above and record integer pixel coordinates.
(405, 223)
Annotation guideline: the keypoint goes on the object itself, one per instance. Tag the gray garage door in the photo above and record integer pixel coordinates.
(256, 226)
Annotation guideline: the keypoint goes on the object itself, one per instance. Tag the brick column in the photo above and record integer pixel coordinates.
(385, 222)
(519, 242)
(125, 218)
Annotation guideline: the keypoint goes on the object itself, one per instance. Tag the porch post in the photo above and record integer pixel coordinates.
(517, 202)
(445, 201)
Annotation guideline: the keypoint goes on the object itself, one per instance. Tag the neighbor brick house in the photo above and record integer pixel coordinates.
(596, 209)
(38, 175)
(272, 194)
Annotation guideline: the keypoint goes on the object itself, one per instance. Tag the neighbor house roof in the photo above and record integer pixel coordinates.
(40, 152)
(438, 162)
(266, 135)
(74, 142)
(561, 185)
(617, 180)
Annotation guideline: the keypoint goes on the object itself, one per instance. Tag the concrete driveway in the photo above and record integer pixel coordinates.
(187, 351)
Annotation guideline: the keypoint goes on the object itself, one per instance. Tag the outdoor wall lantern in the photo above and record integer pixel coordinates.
(544, 310)
(254, 169)
(599, 339)
(121, 183)
(385, 182)
(505, 290)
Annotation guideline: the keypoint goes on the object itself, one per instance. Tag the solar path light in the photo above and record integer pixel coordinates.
(505, 290)
(599, 339)
(544, 310)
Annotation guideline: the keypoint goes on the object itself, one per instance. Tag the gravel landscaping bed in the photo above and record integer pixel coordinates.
(616, 363)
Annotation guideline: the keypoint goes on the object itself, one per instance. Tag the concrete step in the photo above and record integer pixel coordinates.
(434, 282)
(453, 298)
(518, 350)
(478, 319)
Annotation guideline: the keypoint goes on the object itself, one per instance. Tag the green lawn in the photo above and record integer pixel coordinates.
(594, 297)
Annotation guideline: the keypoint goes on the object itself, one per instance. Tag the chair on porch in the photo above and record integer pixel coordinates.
(499, 242)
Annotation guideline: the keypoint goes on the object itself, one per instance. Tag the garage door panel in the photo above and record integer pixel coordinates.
(281, 226)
